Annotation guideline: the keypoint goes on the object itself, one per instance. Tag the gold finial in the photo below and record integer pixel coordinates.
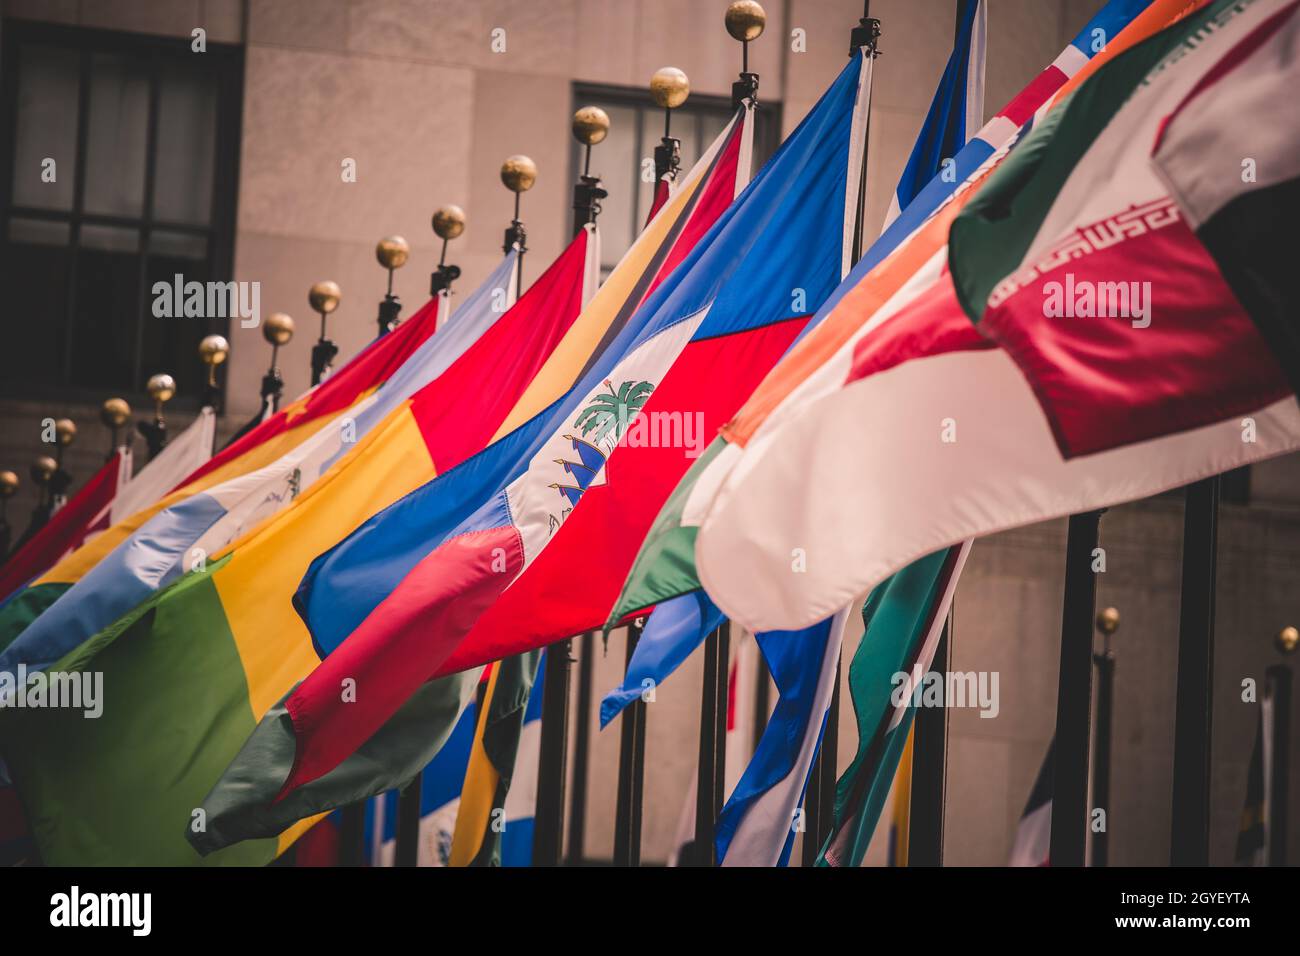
(43, 469)
(392, 252)
(1108, 621)
(324, 297)
(669, 87)
(449, 220)
(590, 125)
(8, 483)
(519, 173)
(65, 430)
(161, 387)
(114, 412)
(278, 328)
(1286, 640)
(213, 349)
(745, 20)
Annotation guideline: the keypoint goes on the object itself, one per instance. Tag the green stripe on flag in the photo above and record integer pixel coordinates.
(26, 606)
(665, 565)
(990, 237)
(122, 788)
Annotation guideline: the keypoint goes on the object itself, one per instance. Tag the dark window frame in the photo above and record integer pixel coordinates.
(767, 126)
(227, 62)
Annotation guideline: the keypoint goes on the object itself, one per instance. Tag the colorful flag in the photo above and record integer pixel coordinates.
(494, 821)
(956, 113)
(1034, 832)
(243, 809)
(972, 451)
(242, 646)
(180, 537)
(724, 308)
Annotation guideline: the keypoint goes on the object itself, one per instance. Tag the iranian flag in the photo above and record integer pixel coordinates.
(1064, 397)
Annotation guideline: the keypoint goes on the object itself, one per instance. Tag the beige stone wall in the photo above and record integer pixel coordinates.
(411, 90)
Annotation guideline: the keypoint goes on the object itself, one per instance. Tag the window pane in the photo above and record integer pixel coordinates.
(107, 290)
(187, 130)
(34, 265)
(46, 126)
(116, 135)
(171, 345)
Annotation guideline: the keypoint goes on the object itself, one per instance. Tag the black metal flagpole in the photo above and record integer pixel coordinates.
(1074, 694)
(324, 298)
(392, 253)
(1189, 838)
(929, 771)
(712, 768)
(631, 770)
(1107, 624)
(577, 850)
(590, 126)
(1279, 679)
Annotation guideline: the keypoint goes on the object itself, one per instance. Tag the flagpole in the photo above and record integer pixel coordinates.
(8, 487)
(590, 126)
(392, 253)
(114, 413)
(1189, 839)
(278, 331)
(581, 750)
(1279, 679)
(819, 799)
(929, 771)
(712, 768)
(631, 770)
(448, 224)
(1074, 694)
(518, 173)
(1107, 624)
(324, 298)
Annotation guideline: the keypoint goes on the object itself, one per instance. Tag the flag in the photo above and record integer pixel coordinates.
(956, 113)
(243, 646)
(1096, 285)
(1244, 202)
(244, 806)
(973, 453)
(1034, 833)
(1253, 835)
(271, 440)
(494, 821)
(725, 307)
(181, 536)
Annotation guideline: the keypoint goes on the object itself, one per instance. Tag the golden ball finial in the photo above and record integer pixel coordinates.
(43, 469)
(519, 173)
(745, 20)
(278, 328)
(392, 252)
(324, 296)
(1108, 620)
(65, 430)
(161, 387)
(8, 483)
(114, 412)
(1286, 640)
(590, 125)
(449, 221)
(213, 349)
(669, 87)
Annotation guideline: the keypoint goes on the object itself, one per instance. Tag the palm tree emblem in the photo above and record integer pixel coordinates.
(612, 412)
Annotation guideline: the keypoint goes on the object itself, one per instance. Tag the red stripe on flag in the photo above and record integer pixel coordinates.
(1027, 101)
(405, 639)
(573, 583)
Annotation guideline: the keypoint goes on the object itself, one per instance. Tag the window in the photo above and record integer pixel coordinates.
(119, 171)
(636, 127)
